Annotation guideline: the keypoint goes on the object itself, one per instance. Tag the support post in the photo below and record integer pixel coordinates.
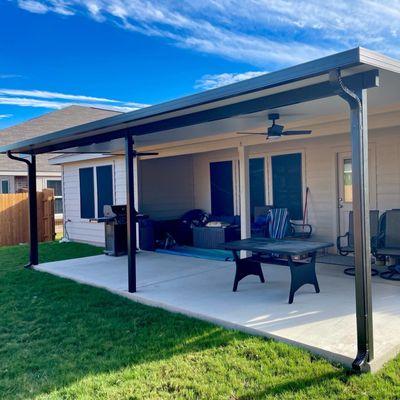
(244, 178)
(131, 213)
(33, 222)
(136, 192)
(32, 203)
(357, 100)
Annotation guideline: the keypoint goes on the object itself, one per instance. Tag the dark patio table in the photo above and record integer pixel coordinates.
(302, 272)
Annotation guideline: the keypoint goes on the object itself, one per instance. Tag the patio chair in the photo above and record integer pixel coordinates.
(349, 236)
(388, 243)
(280, 225)
(259, 228)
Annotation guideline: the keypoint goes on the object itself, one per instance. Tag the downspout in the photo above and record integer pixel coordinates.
(357, 101)
(33, 224)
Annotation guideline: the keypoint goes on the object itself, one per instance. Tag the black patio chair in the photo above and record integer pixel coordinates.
(349, 236)
(388, 243)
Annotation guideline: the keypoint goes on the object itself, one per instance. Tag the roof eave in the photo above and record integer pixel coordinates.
(343, 60)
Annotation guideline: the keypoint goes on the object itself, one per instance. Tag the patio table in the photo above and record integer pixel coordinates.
(302, 271)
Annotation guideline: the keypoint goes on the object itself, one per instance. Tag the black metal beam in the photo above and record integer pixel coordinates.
(290, 97)
(357, 100)
(131, 213)
(32, 201)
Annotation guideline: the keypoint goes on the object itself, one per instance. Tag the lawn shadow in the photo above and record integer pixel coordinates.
(57, 332)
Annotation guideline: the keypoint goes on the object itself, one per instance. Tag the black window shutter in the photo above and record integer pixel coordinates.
(221, 188)
(104, 188)
(287, 183)
(86, 186)
(257, 183)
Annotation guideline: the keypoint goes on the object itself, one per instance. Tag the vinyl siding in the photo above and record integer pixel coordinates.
(170, 186)
(166, 187)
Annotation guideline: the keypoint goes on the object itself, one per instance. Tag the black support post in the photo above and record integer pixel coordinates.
(33, 223)
(357, 100)
(32, 200)
(131, 213)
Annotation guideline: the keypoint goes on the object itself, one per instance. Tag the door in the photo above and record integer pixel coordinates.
(287, 183)
(345, 189)
(221, 179)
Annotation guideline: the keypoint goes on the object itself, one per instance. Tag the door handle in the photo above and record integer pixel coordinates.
(340, 202)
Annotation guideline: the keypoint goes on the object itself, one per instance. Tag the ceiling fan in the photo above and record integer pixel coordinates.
(276, 130)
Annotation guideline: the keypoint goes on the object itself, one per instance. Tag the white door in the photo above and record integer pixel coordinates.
(345, 190)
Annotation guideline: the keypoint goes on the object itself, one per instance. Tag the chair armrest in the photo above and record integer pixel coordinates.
(376, 242)
(338, 240)
(307, 228)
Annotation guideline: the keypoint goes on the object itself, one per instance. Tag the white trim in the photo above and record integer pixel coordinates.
(235, 179)
(23, 173)
(69, 158)
(95, 194)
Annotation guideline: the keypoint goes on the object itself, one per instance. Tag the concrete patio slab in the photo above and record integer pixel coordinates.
(323, 323)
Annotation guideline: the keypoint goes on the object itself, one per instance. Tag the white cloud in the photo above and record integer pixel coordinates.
(265, 33)
(9, 76)
(2, 116)
(53, 95)
(33, 6)
(55, 100)
(213, 81)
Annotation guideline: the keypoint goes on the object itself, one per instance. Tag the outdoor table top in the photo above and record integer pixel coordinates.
(288, 247)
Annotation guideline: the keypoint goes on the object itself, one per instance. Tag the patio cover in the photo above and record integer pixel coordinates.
(347, 75)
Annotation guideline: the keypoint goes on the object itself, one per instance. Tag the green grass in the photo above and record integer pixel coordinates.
(62, 340)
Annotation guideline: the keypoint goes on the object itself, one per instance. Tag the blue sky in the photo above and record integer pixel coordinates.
(126, 54)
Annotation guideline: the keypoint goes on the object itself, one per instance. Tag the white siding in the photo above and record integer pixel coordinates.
(170, 186)
(81, 229)
(166, 192)
(319, 159)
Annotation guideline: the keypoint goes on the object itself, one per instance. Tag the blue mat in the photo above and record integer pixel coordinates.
(208, 254)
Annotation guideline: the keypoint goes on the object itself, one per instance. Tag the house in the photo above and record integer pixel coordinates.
(13, 174)
(204, 173)
(200, 152)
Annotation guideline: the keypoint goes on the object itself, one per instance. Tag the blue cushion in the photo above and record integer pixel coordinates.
(261, 220)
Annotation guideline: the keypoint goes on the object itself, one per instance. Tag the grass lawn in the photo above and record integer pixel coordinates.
(62, 340)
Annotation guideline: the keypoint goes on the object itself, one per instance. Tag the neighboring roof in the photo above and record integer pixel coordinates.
(50, 122)
(143, 121)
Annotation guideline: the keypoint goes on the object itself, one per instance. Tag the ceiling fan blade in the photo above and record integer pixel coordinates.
(251, 133)
(146, 154)
(292, 133)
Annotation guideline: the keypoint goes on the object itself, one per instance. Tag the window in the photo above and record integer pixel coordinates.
(221, 179)
(257, 183)
(5, 186)
(94, 197)
(86, 186)
(287, 183)
(347, 181)
(57, 187)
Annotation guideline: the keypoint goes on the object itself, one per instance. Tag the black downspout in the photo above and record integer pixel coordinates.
(357, 100)
(33, 223)
(131, 213)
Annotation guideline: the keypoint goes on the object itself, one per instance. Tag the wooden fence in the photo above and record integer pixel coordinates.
(14, 222)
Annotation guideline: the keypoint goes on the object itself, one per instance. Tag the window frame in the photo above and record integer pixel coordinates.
(95, 188)
(8, 185)
(57, 197)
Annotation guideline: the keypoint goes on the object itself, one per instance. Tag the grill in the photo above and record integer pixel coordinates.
(115, 229)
